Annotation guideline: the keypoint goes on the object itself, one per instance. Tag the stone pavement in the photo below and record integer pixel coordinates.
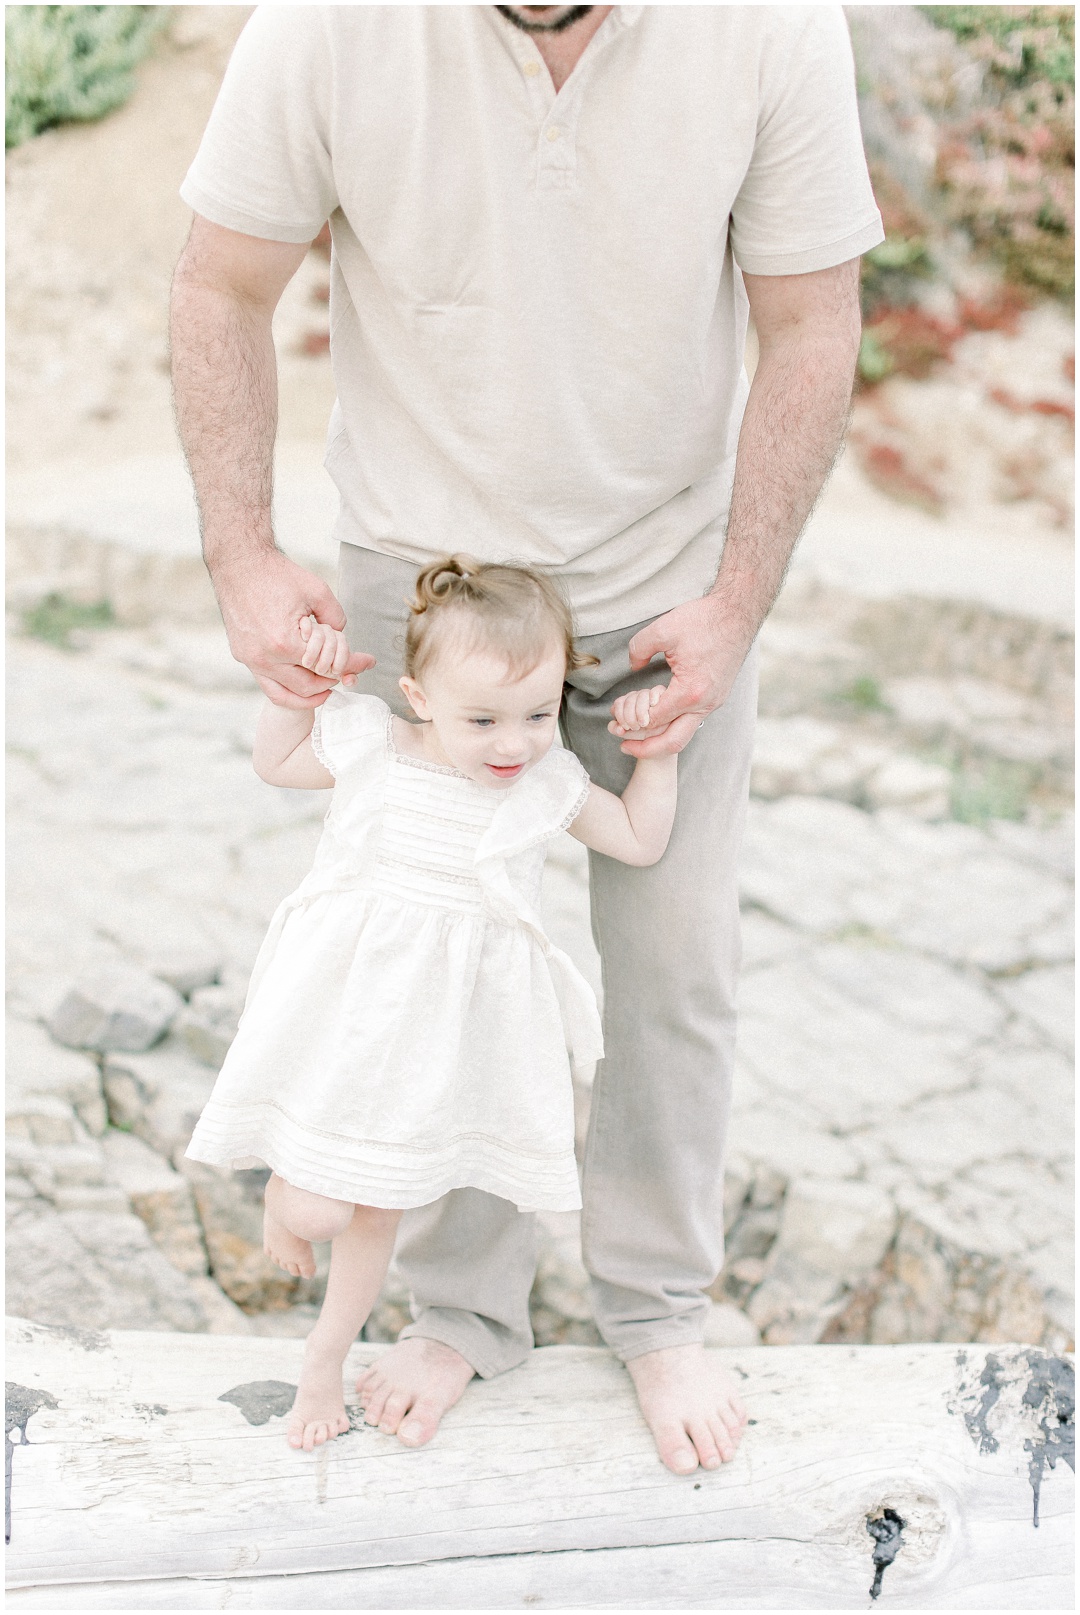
(899, 1166)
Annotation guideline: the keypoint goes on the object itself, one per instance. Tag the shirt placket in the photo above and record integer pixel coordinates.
(556, 117)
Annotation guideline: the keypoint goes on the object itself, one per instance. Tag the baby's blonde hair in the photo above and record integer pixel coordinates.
(509, 609)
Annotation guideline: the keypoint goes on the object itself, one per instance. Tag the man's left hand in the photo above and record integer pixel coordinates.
(704, 646)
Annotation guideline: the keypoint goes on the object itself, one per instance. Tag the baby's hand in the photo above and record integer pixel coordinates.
(630, 713)
(327, 650)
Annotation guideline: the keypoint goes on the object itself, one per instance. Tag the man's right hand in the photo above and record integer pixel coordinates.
(264, 599)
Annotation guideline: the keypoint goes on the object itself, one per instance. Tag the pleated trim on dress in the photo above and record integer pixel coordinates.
(395, 1176)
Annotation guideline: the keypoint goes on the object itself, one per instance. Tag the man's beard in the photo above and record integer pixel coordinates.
(569, 17)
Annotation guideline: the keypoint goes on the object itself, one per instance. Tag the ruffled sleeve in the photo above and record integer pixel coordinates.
(348, 729)
(546, 801)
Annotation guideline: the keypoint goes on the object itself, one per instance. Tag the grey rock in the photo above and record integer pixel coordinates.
(159, 1096)
(753, 1234)
(117, 1007)
(794, 1308)
(94, 1270)
(82, 1162)
(839, 1230)
(730, 1326)
(50, 1167)
(91, 1197)
(161, 1196)
(948, 890)
(185, 970)
(223, 1317)
(41, 1118)
(921, 788)
(738, 1179)
(560, 1305)
(832, 1235)
(38, 1065)
(1047, 999)
(940, 1289)
(230, 1212)
(208, 1025)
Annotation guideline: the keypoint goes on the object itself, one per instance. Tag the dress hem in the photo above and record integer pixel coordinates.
(374, 1190)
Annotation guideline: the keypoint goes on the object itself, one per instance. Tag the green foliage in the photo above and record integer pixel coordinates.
(875, 360)
(1021, 44)
(56, 617)
(994, 789)
(67, 64)
(864, 694)
(891, 271)
(1007, 166)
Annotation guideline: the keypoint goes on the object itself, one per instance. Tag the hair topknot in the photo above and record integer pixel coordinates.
(515, 610)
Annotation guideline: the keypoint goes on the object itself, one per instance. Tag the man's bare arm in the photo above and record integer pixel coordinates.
(808, 332)
(224, 367)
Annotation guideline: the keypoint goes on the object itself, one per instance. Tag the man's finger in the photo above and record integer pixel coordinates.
(673, 703)
(294, 678)
(281, 697)
(676, 736)
(645, 645)
(326, 609)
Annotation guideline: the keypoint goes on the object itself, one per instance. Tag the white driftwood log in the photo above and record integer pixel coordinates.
(141, 1488)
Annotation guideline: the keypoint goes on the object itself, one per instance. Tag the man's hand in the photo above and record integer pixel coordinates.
(704, 648)
(268, 603)
(225, 291)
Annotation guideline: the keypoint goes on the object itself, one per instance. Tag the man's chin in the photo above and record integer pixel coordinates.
(543, 19)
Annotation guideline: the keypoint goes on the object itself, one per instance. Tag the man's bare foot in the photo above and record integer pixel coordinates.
(691, 1405)
(287, 1249)
(410, 1387)
(318, 1414)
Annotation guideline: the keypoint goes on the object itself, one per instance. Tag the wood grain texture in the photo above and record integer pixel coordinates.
(142, 1489)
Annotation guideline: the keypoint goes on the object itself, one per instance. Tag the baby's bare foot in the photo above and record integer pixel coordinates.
(287, 1249)
(410, 1387)
(318, 1414)
(691, 1405)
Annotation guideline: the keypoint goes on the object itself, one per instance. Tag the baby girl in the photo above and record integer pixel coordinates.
(409, 1027)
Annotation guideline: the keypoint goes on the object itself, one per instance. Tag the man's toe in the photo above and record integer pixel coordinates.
(709, 1450)
(726, 1442)
(421, 1424)
(675, 1448)
(394, 1410)
(376, 1402)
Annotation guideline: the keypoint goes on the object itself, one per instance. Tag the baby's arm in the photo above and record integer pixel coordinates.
(636, 826)
(282, 754)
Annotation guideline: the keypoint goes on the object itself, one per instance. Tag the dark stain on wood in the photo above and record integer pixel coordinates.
(20, 1404)
(1050, 1393)
(887, 1532)
(261, 1400)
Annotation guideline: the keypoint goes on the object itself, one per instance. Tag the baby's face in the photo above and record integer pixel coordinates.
(486, 723)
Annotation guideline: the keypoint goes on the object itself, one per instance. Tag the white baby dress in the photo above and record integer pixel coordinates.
(408, 1022)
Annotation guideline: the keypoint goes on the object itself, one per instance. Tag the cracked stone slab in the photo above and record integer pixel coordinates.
(946, 890)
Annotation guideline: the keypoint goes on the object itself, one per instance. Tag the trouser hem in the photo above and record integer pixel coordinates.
(470, 1343)
(659, 1340)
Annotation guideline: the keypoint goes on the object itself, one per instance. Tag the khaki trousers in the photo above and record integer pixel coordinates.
(668, 937)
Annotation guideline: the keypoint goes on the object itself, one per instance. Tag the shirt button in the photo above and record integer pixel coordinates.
(531, 69)
(553, 133)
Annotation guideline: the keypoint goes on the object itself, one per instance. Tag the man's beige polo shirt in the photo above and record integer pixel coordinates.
(537, 322)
